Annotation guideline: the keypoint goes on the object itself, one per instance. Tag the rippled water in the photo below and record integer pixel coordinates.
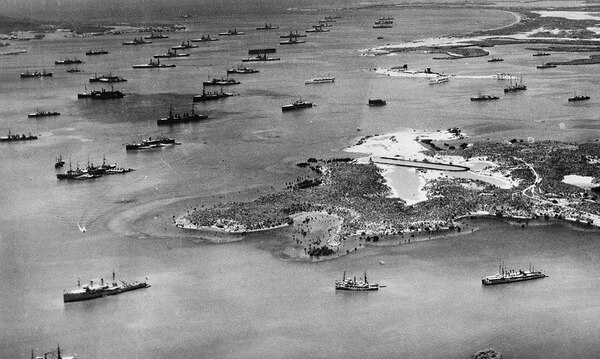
(239, 300)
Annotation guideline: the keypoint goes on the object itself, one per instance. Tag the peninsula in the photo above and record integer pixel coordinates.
(344, 204)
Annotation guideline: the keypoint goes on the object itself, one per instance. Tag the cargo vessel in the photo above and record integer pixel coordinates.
(102, 289)
(510, 276)
(352, 284)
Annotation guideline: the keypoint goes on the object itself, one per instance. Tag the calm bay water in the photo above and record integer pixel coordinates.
(238, 300)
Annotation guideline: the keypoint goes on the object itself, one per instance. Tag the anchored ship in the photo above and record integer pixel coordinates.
(136, 41)
(320, 80)
(107, 78)
(296, 105)
(221, 82)
(174, 118)
(150, 143)
(509, 276)
(156, 36)
(205, 38)
(93, 291)
(170, 53)
(377, 102)
(546, 66)
(484, 98)
(96, 52)
(101, 94)
(68, 62)
(266, 26)
(15, 138)
(241, 69)
(43, 113)
(214, 95)
(578, 98)
(516, 87)
(292, 34)
(184, 45)
(352, 284)
(231, 32)
(153, 65)
(28, 74)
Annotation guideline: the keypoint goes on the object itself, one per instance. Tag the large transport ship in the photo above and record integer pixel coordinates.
(93, 291)
(352, 284)
(510, 276)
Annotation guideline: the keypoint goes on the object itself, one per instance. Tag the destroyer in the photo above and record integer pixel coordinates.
(221, 82)
(352, 284)
(170, 53)
(96, 52)
(184, 45)
(102, 94)
(68, 62)
(93, 291)
(509, 276)
(484, 98)
(107, 78)
(231, 32)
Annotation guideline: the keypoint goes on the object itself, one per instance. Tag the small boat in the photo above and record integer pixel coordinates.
(291, 41)
(268, 26)
(153, 65)
(439, 79)
(74, 69)
(495, 59)
(28, 74)
(546, 66)
(320, 80)
(221, 82)
(484, 98)
(352, 284)
(68, 62)
(156, 36)
(231, 32)
(292, 35)
(204, 38)
(241, 69)
(59, 162)
(541, 54)
(184, 45)
(377, 102)
(296, 105)
(576, 98)
(16, 138)
(174, 118)
(96, 52)
(169, 54)
(502, 76)
(380, 22)
(215, 95)
(509, 276)
(136, 41)
(43, 113)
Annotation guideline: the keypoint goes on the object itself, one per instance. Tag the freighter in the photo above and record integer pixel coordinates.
(180, 118)
(509, 276)
(93, 291)
(352, 284)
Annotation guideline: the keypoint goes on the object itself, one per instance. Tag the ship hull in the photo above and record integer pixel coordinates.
(495, 281)
(78, 297)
